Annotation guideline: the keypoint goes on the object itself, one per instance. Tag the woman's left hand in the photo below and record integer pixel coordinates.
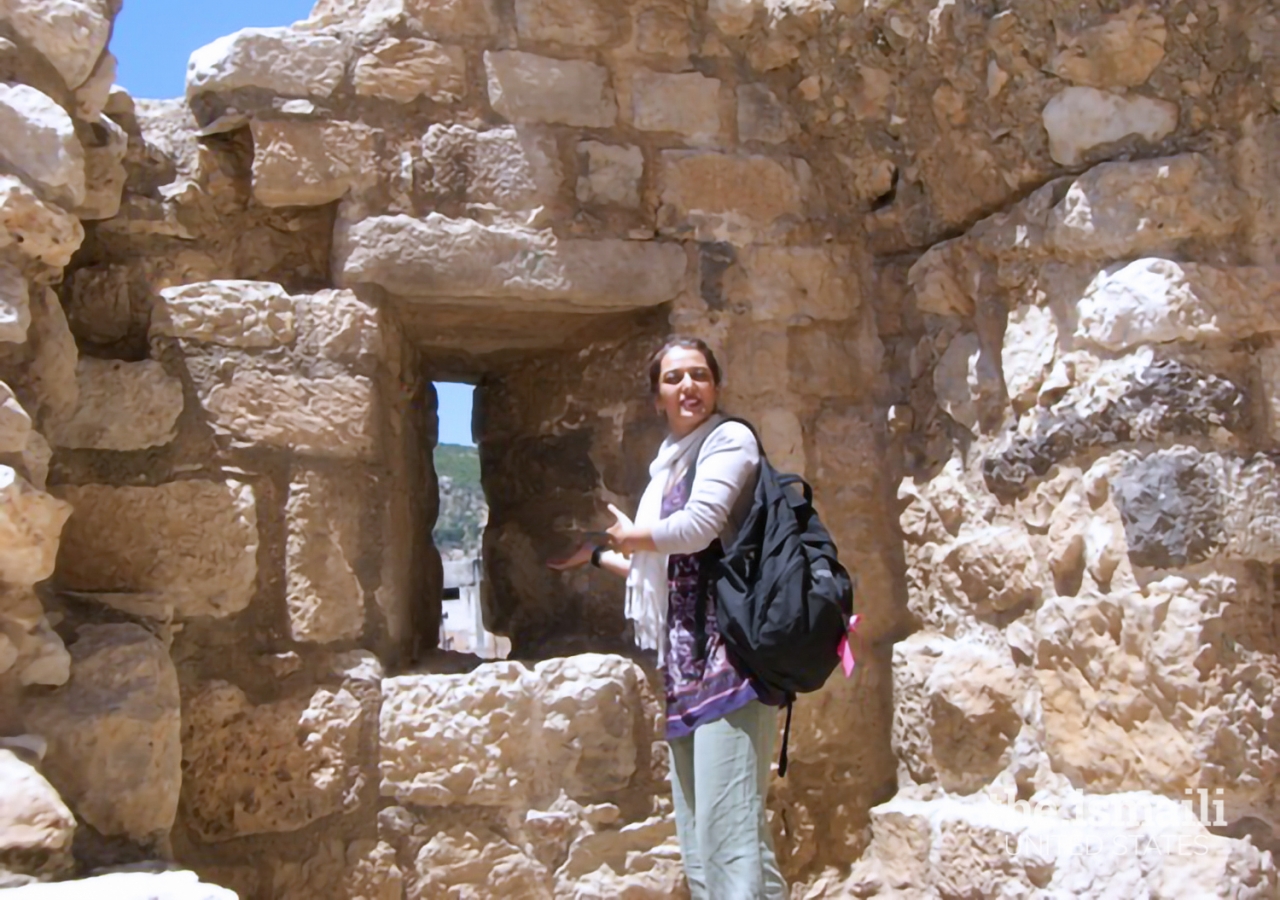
(622, 531)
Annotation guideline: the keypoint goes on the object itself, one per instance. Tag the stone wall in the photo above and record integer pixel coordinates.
(999, 282)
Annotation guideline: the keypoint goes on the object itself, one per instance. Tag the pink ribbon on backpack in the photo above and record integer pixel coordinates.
(847, 662)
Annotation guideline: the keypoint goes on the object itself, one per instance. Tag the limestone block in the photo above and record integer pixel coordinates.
(194, 542)
(171, 885)
(457, 258)
(955, 378)
(30, 523)
(1251, 508)
(937, 281)
(508, 167)
(571, 23)
(320, 416)
(122, 406)
(71, 34)
(1158, 300)
(478, 862)
(448, 19)
(1081, 118)
(36, 827)
(280, 60)
(1171, 504)
(762, 116)
(113, 732)
(303, 163)
(795, 285)
(51, 375)
(104, 171)
(686, 103)
(36, 457)
(230, 313)
(93, 96)
(1121, 51)
(528, 88)
(40, 232)
(999, 569)
(324, 597)
(41, 144)
(15, 306)
(99, 306)
(1122, 209)
(663, 29)
(403, 70)
(783, 439)
(506, 736)
(726, 197)
(274, 767)
(1030, 341)
(15, 424)
(42, 657)
(363, 870)
(732, 17)
(610, 173)
(338, 325)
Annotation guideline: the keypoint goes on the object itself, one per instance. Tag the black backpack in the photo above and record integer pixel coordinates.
(783, 601)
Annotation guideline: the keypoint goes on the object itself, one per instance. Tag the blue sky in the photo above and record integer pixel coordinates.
(152, 41)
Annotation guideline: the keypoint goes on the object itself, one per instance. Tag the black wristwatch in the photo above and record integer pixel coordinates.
(595, 556)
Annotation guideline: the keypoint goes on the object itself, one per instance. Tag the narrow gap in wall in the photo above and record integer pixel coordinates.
(459, 529)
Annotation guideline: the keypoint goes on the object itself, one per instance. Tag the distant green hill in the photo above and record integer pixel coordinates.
(463, 511)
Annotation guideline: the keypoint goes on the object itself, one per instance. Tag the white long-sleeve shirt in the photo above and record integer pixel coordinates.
(720, 498)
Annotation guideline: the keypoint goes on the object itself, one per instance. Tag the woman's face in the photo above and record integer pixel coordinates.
(686, 390)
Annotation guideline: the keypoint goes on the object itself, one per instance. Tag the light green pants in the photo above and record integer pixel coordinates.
(719, 779)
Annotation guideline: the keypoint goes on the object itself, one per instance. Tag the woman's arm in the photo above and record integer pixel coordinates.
(610, 561)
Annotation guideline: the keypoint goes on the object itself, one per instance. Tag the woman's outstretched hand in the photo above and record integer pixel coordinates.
(575, 560)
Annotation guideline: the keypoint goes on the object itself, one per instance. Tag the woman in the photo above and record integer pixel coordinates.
(720, 725)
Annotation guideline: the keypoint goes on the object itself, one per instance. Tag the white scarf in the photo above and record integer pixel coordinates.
(647, 583)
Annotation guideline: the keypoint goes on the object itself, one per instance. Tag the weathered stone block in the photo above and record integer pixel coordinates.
(718, 196)
(528, 88)
(403, 70)
(1121, 51)
(572, 23)
(1171, 507)
(51, 375)
(41, 143)
(230, 313)
(15, 424)
(1030, 340)
(1124, 209)
(93, 96)
(610, 174)
(1251, 508)
(1157, 300)
(113, 732)
(104, 172)
(506, 736)
(194, 542)
(338, 325)
(686, 103)
(268, 768)
(99, 305)
(15, 305)
(30, 523)
(280, 60)
(39, 231)
(795, 285)
(1081, 118)
(508, 167)
(323, 516)
(460, 258)
(300, 163)
(122, 406)
(461, 860)
(321, 416)
(762, 116)
(36, 828)
(448, 19)
(71, 34)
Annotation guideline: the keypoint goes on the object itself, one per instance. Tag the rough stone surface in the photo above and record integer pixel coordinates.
(308, 164)
(1121, 51)
(717, 196)
(1082, 118)
(36, 828)
(403, 70)
(30, 523)
(39, 231)
(687, 104)
(510, 168)
(113, 732)
(280, 60)
(326, 601)
(105, 174)
(122, 406)
(570, 23)
(15, 305)
(71, 34)
(41, 143)
(610, 174)
(318, 416)
(15, 424)
(193, 542)
(507, 735)
(528, 88)
(463, 258)
(230, 313)
(254, 769)
(762, 116)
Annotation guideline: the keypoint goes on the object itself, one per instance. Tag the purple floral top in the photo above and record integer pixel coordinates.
(697, 690)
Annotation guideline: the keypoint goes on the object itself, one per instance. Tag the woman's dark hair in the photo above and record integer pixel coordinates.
(655, 361)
